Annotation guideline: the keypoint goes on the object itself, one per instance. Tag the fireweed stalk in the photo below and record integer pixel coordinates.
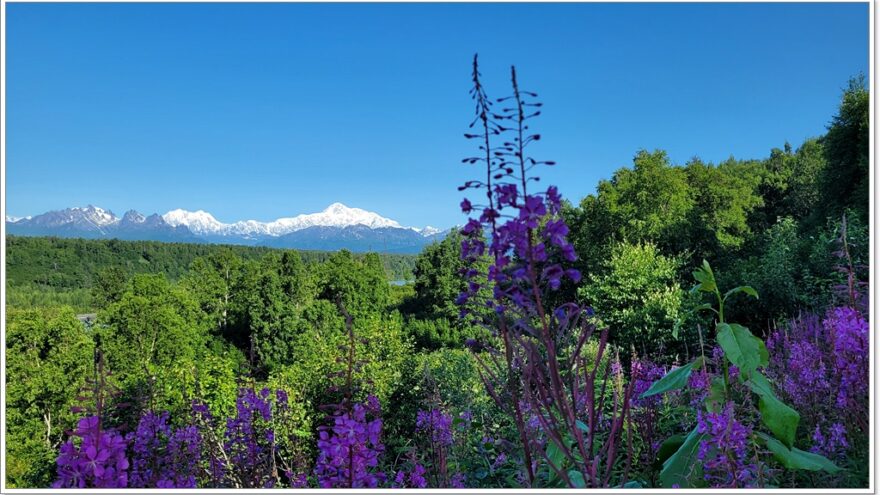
(99, 459)
(350, 447)
(542, 369)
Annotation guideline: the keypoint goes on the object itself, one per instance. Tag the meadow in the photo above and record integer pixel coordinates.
(688, 325)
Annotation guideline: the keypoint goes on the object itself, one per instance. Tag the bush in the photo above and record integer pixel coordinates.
(638, 297)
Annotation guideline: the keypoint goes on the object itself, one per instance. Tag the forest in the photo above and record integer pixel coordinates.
(51, 271)
(686, 325)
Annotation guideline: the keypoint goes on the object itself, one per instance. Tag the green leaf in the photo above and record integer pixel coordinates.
(673, 380)
(747, 289)
(681, 468)
(798, 459)
(577, 479)
(631, 484)
(706, 278)
(582, 426)
(556, 456)
(667, 448)
(779, 418)
(741, 347)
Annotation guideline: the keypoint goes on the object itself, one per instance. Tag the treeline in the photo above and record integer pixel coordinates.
(43, 271)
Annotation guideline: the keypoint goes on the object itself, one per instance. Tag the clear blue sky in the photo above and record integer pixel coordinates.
(266, 110)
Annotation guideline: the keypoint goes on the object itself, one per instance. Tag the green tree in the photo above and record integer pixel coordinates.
(438, 279)
(774, 272)
(650, 202)
(152, 339)
(638, 297)
(295, 281)
(265, 312)
(361, 285)
(803, 190)
(109, 286)
(844, 181)
(212, 280)
(724, 196)
(49, 355)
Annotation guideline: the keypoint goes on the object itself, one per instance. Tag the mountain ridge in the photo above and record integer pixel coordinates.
(336, 227)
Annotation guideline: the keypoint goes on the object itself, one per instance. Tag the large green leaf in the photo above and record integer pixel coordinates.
(742, 288)
(673, 380)
(667, 448)
(781, 419)
(798, 459)
(742, 348)
(577, 479)
(681, 468)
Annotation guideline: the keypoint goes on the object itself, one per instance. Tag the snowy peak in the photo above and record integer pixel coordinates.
(339, 215)
(198, 222)
(428, 231)
(335, 227)
(336, 215)
(132, 216)
(92, 214)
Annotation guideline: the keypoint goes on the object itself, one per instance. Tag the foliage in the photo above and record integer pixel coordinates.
(240, 367)
(637, 296)
(153, 338)
(844, 180)
(49, 353)
(721, 438)
(63, 265)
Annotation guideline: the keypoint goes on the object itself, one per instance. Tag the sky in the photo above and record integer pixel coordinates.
(261, 111)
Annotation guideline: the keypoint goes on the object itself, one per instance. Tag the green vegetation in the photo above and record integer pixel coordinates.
(183, 322)
(48, 271)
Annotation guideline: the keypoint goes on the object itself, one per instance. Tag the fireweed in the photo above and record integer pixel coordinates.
(537, 359)
(821, 365)
(728, 448)
(350, 447)
(241, 451)
(437, 434)
(162, 458)
(98, 461)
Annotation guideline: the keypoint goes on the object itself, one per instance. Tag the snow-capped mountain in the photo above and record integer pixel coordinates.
(336, 227)
(429, 231)
(336, 215)
(92, 222)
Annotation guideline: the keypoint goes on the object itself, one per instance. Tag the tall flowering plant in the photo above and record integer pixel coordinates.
(822, 366)
(162, 457)
(725, 448)
(94, 456)
(350, 447)
(536, 368)
(242, 451)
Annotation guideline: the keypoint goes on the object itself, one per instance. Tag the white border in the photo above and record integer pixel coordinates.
(872, 291)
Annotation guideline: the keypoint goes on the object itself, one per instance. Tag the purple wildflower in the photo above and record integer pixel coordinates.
(99, 461)
(349, 450)
(724, 453)
(436, 423)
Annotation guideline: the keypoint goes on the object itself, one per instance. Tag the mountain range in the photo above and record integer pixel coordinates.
(336, 227)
